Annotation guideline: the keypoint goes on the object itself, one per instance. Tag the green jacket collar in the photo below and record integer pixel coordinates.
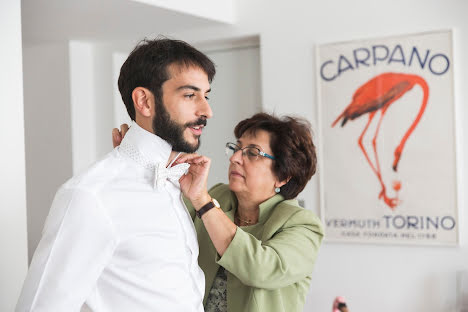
(265, 208)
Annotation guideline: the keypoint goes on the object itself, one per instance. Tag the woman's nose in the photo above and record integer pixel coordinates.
(236, 157)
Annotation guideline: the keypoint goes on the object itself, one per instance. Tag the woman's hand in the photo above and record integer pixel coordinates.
(117, 135)
(194, 184)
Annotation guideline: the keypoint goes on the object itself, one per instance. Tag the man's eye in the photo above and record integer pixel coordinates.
(189, 96)
(207, 98)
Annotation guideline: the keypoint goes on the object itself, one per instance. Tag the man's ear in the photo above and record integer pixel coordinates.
(143, 101)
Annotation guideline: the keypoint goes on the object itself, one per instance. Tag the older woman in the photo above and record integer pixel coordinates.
(257, 245)
(258, 249)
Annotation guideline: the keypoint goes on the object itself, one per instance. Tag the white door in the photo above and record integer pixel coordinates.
(235, 95)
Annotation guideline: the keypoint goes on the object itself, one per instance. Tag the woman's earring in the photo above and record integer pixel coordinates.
(277, 189)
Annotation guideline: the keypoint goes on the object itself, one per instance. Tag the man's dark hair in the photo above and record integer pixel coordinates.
(292, 146)
(147, 67)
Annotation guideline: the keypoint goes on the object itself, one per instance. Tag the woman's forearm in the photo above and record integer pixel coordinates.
(220, 229)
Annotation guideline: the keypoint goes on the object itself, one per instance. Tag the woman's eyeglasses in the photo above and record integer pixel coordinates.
(251, 152)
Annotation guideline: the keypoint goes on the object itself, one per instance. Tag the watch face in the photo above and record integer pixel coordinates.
(215, 202)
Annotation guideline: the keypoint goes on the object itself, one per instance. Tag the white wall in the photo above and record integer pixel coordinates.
(82, 101)
(47, 129)
(13, 238)
(218, 10)
(104, 85)
(120, 112)
(372, 277)
(92, 112)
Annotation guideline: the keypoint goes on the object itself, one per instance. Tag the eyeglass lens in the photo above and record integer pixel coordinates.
(251, 152)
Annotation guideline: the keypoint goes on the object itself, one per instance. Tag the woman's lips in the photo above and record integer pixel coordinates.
(236, 174)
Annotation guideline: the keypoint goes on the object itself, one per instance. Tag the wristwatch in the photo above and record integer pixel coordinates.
(211, 204)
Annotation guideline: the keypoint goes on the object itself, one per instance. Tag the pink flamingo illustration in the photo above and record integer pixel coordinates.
(378, 94)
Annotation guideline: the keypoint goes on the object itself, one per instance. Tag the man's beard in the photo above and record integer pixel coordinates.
(173, 132)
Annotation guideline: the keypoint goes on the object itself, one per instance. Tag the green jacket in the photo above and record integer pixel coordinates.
(269, 264)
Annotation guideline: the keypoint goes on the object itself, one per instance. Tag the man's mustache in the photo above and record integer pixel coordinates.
(199, 122)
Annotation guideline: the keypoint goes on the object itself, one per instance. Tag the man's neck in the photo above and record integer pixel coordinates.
(149, 127)
(172, 157)
(145, 124)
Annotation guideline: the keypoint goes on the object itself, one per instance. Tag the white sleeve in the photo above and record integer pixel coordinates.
(76, 245)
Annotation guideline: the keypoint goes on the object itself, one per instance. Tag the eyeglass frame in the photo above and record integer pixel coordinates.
(238, 148)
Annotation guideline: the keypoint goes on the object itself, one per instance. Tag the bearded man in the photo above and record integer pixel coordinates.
(118, 236)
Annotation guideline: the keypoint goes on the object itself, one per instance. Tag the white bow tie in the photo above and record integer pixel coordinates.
(162, 174)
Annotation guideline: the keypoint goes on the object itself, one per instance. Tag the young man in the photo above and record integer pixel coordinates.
(118, 237)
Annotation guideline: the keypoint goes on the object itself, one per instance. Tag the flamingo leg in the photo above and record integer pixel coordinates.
(391, 202)
(361, 146)
(374, 146)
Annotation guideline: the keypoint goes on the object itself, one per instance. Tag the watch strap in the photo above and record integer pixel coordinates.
(205, 208)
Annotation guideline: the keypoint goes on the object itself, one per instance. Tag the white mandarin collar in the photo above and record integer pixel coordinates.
(150, 148)
(151, 152)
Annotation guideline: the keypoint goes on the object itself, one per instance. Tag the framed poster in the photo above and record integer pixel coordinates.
(387, 133)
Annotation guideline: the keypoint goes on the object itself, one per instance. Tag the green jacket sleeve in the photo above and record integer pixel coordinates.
(284, 259)
(190, 207)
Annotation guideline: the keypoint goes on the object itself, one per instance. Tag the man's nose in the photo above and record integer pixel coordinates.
(204, 108)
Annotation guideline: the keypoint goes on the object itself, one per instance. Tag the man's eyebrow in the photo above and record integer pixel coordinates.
(194, 88)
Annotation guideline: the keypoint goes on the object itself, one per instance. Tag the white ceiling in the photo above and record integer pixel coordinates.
(108, 20)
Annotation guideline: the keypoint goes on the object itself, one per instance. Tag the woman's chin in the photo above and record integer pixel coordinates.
(233, 186)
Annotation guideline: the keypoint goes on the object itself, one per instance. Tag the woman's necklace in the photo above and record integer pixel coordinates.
(240, 220)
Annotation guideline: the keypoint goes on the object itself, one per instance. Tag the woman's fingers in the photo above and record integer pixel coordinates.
(116, 137)
(194, 159)
(187, 158)
(184, 157)
(199, 160)
(123, 129)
